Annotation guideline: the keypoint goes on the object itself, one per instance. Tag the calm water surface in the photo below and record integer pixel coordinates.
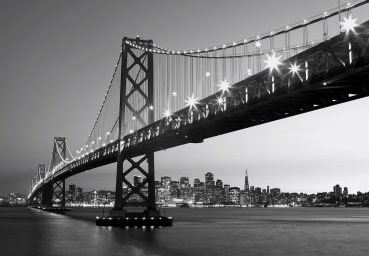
(206, 231)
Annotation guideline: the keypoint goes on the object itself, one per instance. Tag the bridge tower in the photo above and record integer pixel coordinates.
(134, 64)
(54, 191)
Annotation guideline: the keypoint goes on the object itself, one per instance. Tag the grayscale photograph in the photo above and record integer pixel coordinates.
(197, 127)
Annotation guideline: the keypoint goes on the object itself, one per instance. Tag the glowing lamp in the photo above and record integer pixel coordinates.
(191, 101)
(294, 68)
(224, 85)
(167, 113)
(272, 61)
(220, 101)
(258, 44)
(348, 24)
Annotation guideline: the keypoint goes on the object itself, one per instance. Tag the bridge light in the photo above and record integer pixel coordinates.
(99, 138)
(272, 61)
(108, 133)
(151, 107)
(191, 101)
(294, 68)
(174, 94)
(131, 131)
(258, 44)
(224, 85)
(133, 117)
(167, 113)
(207, 74)
(220, 101)
(348, 24)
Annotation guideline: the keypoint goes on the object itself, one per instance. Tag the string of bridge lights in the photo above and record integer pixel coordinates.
(257, 44)
(102, 105)
(255, 39)
(272, 62)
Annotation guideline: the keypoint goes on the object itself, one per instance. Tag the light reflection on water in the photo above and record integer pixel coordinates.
(212, 231)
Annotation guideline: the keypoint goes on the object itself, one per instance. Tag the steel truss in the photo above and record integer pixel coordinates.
(126, 76)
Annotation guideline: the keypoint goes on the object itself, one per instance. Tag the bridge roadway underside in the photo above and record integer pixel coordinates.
(284, 103)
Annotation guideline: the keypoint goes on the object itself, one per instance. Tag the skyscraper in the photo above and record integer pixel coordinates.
(219, 183)
(209, 180)
(337, 190)
(226, 192)
(166, 182)
(79, 194)
(246, 188)
(234, 195)
(72, 192)
(196, 182)
(136, 180)
(345, 191)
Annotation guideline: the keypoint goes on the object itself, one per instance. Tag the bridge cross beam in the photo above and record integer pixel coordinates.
(59, 193)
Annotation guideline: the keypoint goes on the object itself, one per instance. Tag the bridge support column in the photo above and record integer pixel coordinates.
(59, 193)
(123, 200)
(47, 195)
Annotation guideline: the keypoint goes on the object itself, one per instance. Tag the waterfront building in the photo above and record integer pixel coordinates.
(185, 188)
(234, 195)
(345, 191)
(196, 182)
(136, 180)
(219, 183)
(226, 192)
(175, 189)
(337, 190)
(246, 186)
(79, 195)
(209, 180)
(72, 192)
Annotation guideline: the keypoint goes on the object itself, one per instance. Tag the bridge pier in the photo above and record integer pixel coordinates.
(47, 195)
(123, 201)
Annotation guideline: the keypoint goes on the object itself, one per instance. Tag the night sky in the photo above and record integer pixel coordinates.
(57, 58)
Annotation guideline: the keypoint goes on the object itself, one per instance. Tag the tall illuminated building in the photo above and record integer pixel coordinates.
(185, 187)
(72, 192)
(345, 191)
(246, 187)
(196, 182)
(226, 192)
(209, 180)
(79, 194)
(136, 180)
(166, 182)
(337, 190)
(234, 195)
(219, 183)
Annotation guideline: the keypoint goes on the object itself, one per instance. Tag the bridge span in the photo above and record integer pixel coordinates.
(310, 77)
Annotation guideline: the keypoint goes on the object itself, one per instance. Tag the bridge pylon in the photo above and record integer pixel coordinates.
(53, 192)
(136, 99)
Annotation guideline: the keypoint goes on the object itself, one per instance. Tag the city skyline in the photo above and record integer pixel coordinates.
(55, 70)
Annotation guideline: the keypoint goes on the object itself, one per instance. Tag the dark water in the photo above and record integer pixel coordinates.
(211, 231)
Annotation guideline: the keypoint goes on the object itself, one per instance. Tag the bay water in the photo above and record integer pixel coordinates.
(195, 231)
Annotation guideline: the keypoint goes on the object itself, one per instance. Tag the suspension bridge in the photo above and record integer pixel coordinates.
(160, 98)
